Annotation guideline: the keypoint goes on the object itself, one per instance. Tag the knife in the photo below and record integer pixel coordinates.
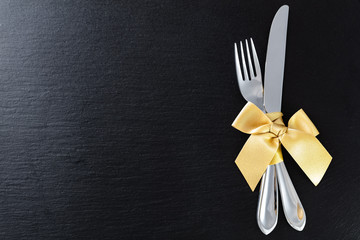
(274, 73)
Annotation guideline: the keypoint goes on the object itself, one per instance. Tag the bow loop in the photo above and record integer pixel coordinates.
(252, 120)
(268, 132)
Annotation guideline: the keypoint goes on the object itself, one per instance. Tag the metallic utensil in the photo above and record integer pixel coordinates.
(275, 61)
(251, 89)
(274, 73)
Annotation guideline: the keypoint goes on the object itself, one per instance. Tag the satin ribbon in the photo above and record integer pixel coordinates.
(268, 133)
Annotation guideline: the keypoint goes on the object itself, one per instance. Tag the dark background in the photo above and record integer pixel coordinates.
(115, 118)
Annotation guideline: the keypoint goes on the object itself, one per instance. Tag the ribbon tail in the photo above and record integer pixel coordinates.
(248, 161)
(308, 153)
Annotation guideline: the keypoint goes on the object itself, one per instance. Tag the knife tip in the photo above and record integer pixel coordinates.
(285, 7)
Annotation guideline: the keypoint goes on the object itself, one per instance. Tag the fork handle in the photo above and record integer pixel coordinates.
(293, 209)
(267, 211)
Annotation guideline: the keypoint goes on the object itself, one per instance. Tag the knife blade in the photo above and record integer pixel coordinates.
(275, 61)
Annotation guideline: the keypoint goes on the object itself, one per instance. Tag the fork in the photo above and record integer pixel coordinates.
(251, 89)
(267, 212)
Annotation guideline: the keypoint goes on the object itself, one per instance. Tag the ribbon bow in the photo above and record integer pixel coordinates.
(268, 132)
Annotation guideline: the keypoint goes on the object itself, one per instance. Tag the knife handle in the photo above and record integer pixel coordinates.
(293, 209)
(267, 211)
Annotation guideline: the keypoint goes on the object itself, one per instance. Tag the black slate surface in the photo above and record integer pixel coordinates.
(115, 118)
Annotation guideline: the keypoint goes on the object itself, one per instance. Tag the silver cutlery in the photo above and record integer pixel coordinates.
(270, 101)
(251, 89)
(274, 73)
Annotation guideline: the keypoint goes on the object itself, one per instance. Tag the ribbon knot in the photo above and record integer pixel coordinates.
(268, 133)
(278, 129)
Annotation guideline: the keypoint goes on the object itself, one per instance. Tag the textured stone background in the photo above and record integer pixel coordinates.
(115, 118)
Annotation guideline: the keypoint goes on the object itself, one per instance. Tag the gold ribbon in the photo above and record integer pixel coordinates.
(268, 132)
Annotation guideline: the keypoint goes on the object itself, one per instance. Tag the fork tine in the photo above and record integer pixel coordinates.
(237, 64)
(256, 60)
(243, 62)
(249, 60)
